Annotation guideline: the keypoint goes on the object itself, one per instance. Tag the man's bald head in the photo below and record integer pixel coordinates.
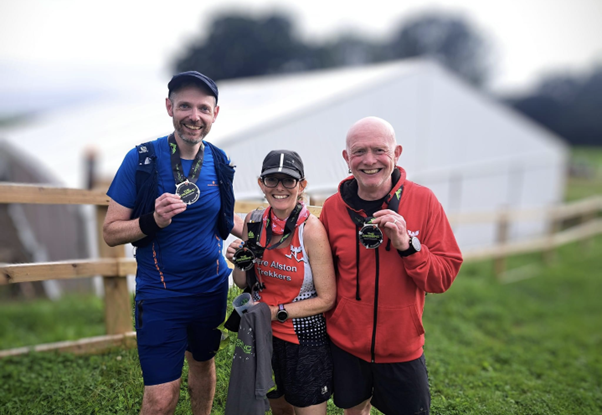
(371, 153)
(371, 126)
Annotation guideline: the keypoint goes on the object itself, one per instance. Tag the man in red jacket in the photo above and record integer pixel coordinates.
(404, 247)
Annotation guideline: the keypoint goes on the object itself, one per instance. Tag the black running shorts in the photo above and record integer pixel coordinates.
(395, 388)
(303, 374)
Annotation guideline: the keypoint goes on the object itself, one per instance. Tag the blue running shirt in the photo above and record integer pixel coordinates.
(185, 258)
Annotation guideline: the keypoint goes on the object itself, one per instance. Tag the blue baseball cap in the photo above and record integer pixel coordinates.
(192, 76)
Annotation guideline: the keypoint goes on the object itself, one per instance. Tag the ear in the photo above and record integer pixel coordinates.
(215, 112)
(302, 185)
(346, 156)
(169, 106)
(398, 151)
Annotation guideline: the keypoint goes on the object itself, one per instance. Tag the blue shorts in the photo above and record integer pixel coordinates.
(167, 327)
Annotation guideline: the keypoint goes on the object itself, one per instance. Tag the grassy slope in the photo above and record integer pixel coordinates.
(45, 321)
(529, 347)
(580, 187)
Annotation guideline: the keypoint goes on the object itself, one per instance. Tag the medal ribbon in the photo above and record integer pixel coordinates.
(392, 203)
(280, 227)
(176, 163)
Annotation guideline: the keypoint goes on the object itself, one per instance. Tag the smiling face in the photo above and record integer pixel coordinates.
(281, 199)
(372, 154)
(193, 111)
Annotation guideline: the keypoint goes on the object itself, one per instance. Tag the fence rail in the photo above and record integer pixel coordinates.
(569, 210)
(113, 266)
(49, 195)
(62, 270)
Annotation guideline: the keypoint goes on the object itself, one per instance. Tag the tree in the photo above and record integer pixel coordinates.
(239, 46)
(348, 50)
(447, 39)
(570, 106)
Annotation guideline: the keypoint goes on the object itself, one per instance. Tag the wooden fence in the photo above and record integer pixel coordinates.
(114, 267)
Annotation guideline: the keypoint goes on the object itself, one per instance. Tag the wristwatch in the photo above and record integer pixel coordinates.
(282, 314)
(414, 247)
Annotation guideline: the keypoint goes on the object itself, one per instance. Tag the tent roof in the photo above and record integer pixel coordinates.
(59, 139)
(248, 107)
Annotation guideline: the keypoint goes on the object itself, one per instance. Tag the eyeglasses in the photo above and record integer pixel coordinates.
(271, 182)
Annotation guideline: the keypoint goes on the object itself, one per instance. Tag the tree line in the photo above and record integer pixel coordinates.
(239, 46)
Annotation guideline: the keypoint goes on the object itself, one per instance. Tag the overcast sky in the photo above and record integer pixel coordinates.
(530, 37)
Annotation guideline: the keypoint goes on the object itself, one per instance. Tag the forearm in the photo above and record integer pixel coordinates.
(433, 272)
(239, 277)
(305, 308)
(122, 232)
(238, 226)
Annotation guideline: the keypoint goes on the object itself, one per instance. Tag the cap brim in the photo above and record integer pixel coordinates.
(277, 170)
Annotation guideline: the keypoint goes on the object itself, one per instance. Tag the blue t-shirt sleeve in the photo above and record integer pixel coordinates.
(123, 187)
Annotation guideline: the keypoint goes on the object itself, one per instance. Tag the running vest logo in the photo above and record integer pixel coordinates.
(173, 148)
(412, 234)
(324, 390)
(294, 251)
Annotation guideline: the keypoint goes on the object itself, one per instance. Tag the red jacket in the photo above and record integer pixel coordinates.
(378, 314)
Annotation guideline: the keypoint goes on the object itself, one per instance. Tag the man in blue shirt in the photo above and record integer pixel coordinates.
(182, 276)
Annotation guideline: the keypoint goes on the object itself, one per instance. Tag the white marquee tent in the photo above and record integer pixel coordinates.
(474, 153)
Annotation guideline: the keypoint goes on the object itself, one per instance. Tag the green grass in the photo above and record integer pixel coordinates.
(529, 347)
(44, 321)
(580, 187)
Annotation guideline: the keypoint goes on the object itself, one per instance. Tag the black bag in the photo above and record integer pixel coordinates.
(146, 186)
(253, 232)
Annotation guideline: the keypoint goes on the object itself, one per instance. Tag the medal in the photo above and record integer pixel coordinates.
(371, 236)
(188, 192)
(244, 258)
(186, 187)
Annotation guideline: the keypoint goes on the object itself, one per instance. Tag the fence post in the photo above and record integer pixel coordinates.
(118, 307)
(588, 216)
(549, 254)
(499, 261)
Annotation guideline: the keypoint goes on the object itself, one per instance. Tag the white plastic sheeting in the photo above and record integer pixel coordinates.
(473, 152)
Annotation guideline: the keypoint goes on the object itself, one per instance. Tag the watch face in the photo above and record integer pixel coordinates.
(416, 244)
(282, 315)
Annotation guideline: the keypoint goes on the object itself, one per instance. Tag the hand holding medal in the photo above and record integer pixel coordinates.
(241, 255)
(394, 225)
(243, 258)
(167, 206)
